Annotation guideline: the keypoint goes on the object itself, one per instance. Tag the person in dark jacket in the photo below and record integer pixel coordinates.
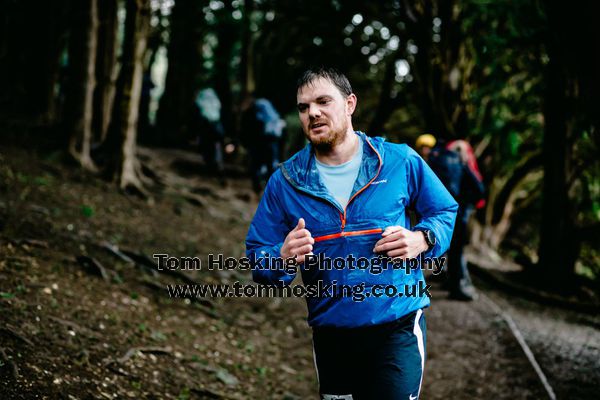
(342, 198)
(455, 164)
(262, 130)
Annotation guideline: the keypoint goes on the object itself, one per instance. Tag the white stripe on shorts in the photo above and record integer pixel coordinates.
(420, 344)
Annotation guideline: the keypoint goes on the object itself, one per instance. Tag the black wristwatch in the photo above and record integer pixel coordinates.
(430, 238)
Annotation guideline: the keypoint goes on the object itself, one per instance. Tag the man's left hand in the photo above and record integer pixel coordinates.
(399, 242)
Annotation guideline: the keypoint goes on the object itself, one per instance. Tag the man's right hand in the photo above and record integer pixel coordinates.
(298, 243)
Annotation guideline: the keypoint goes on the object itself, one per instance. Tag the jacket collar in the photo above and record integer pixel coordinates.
(301, 171)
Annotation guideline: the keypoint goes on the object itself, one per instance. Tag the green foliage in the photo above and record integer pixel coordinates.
(87, 211)
(184, 394)
(42, 180)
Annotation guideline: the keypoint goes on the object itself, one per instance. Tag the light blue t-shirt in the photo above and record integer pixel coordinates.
(339, 179)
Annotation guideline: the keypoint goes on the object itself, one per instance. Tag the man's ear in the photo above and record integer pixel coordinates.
(351, 101)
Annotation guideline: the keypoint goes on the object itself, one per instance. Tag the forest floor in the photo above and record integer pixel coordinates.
(102, 326)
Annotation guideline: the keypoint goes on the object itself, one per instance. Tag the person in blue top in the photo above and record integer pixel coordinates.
(262, 131)
(342, 201)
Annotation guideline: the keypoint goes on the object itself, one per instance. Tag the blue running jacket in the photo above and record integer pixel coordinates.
(391, 179)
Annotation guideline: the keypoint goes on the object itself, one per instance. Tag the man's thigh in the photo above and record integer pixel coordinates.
(383, 364)
(335, 362)
(396, 370)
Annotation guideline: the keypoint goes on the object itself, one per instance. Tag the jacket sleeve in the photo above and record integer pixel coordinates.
(436, 208)
(266, 235)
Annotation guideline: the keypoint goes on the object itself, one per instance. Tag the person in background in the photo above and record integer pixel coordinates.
(210, 130)
(456, 166)
(262, 130)
(424, 144)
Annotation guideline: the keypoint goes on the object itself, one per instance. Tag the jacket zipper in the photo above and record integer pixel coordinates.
(343, 216)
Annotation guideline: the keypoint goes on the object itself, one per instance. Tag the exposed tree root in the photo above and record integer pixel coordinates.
(10, 363)
(11, 331)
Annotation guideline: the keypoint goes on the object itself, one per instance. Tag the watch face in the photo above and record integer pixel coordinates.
(431, 238)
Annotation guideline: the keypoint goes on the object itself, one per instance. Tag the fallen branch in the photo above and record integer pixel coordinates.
(31, 242)
(10, 330)
(94, 266)
(141, 261)
(114, 250)
(147, 262)
(132, 351)
(75, 327)
(118, 370)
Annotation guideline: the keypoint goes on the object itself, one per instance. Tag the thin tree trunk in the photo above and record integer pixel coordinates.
(556, 228)
(387, 104)
(145, 127)
(126, 168)
(58, 40)
(105, 68)
(79, 108)
(223, 53)
(247, 59)
(45, 48)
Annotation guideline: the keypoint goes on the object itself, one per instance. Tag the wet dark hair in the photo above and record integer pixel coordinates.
(331, 74)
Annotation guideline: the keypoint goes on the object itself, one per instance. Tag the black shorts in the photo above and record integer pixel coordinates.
(379, 362)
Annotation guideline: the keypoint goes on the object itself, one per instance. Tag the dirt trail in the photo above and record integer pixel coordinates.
(73, 334)
(473, 355)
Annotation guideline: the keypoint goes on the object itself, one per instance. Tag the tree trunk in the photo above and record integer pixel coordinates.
(82, 81)
(506, 197)
(145, 127)
(123, 127)
(247, 61)
(105, 68)
(185, 64)
(47, 46)
(226, 33)
(387, 104)
(424, 74)
(32, 37)
(556, 231)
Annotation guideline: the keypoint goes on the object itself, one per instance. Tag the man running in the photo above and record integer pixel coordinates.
(344, 198)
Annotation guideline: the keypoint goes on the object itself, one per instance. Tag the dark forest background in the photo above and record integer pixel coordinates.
(95, 78)
(103, 164)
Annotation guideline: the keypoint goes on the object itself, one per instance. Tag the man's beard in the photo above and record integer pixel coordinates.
(325, 144)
